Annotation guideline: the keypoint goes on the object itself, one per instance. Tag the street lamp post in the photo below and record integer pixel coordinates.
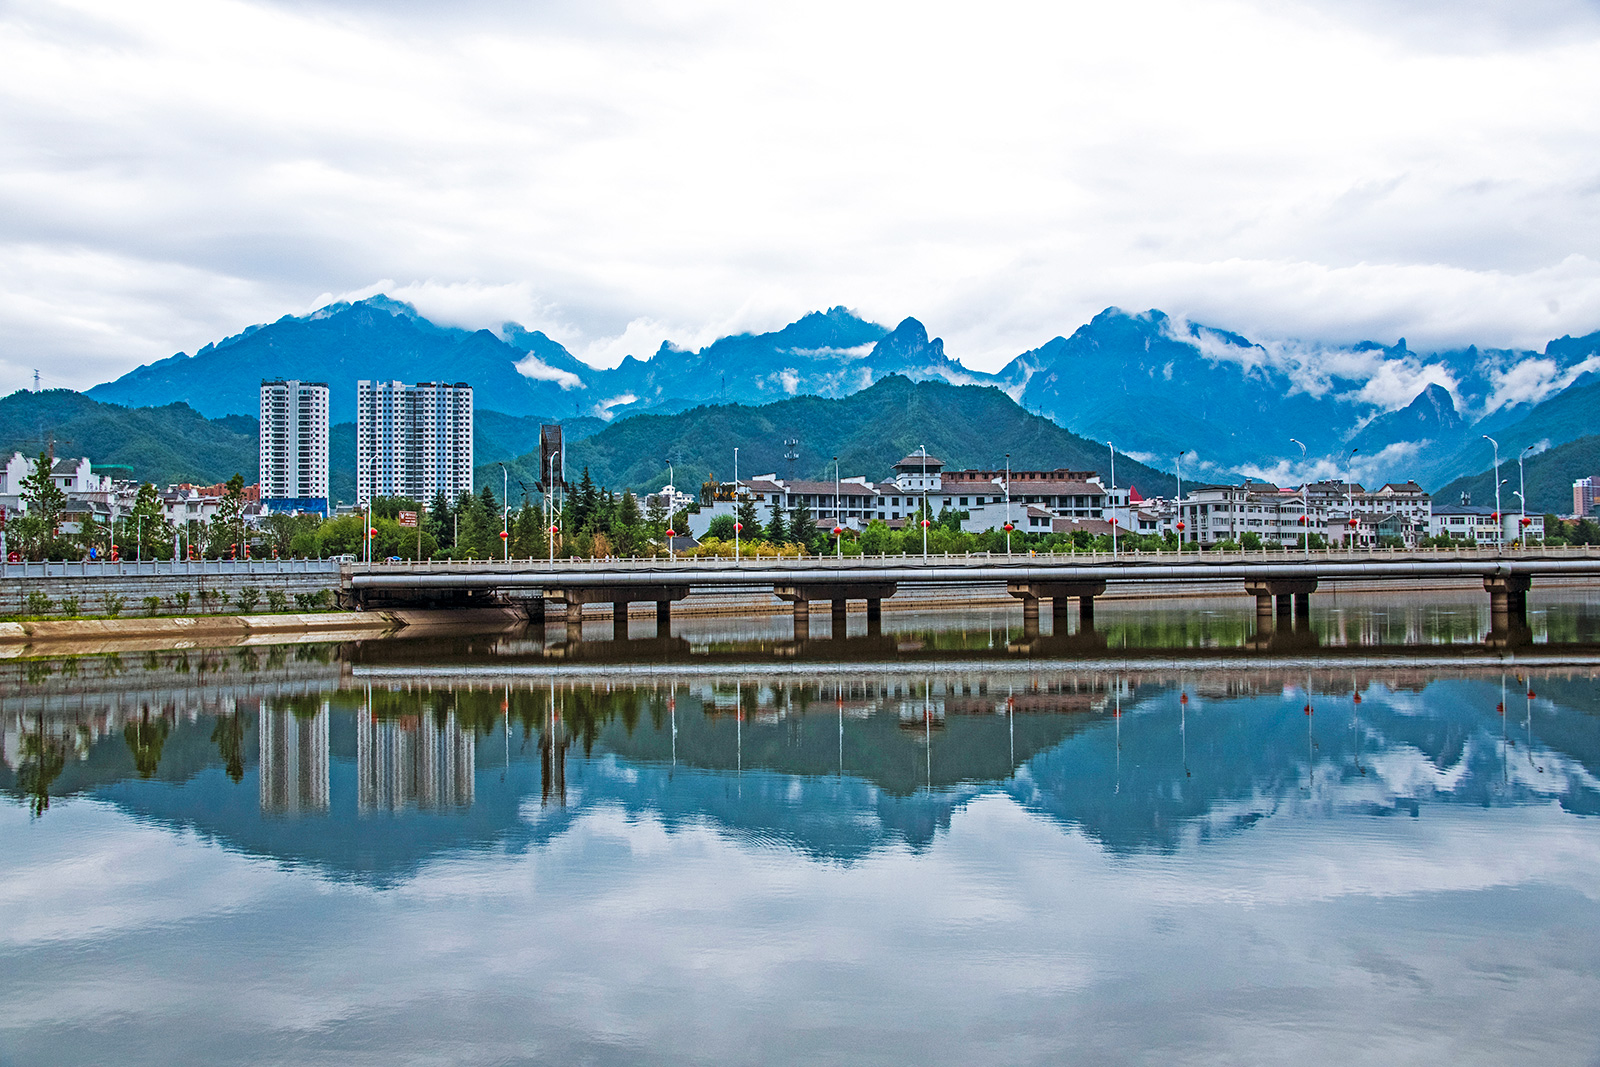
(1522, 482)
(1008, 507)
(1178, 504)
(838, 519)
(737, 525)
(1305, 506)
(1500, 523)
(1350, 494)
(505, 513)
(1113, 449)
(924, 450)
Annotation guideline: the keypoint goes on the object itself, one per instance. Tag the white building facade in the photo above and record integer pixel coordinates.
(413, 440)
(294, 446)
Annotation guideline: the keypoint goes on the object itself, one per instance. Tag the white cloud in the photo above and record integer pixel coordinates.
(1532, 380)
(1316, 171)
(539, 370)
(606, 408)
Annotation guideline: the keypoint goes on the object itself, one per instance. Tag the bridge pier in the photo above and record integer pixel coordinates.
(1059, 593)
(838, 595)
(1293, 596)
(619, 597)
(1508, 601)
(663, 618)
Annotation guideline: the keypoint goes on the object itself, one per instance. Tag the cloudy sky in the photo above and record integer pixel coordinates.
(620, 173)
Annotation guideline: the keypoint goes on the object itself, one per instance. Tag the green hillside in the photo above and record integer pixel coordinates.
(1550, 477)
(965, 426)
(162, 445)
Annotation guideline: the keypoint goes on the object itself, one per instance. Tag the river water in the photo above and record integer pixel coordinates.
(1168, 841)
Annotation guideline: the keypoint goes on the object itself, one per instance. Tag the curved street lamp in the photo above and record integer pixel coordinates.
(1500, 531)
(1305, 504)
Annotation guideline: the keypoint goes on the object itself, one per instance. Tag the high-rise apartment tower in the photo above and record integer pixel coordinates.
(294, 445)
(413, 440)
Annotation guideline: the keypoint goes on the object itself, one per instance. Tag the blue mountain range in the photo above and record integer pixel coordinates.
(1153, 385)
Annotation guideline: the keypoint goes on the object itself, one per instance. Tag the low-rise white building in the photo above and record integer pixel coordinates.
(1478, 523)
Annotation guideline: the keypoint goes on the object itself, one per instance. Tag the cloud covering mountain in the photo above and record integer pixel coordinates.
(1152, 385)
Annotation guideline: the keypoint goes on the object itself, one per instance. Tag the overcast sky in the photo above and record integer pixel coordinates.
(617, 174)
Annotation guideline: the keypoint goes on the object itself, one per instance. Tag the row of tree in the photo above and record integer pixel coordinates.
(590, 522)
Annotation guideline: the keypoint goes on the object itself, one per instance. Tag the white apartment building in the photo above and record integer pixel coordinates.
(413, 440)
(294, 445)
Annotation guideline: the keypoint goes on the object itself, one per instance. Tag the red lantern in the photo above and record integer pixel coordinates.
(1301, 520)
(670, 533)
(1353, 522)
(1009, 527)
(504, 535)
(1526, 521)
(837, 530)
(373, 532)
(1180, 526)
(925, 522)
(738, 527)
(1494, 515)
(553, 528)
(1113, 522)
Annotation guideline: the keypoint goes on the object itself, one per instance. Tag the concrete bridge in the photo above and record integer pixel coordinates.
(1281, 582)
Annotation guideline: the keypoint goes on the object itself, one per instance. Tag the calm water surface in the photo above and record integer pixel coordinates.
(1166, 842)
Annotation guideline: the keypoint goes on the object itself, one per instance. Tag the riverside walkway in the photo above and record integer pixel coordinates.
(1281, 582)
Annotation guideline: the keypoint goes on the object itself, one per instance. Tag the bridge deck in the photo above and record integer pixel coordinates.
(916, 570)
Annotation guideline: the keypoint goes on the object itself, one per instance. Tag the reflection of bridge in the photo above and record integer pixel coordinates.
(1281, 582)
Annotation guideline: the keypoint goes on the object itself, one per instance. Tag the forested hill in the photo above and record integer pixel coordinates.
(965, 426)
(161, 445)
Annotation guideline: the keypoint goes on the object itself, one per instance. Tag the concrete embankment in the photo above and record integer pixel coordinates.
(188, 630)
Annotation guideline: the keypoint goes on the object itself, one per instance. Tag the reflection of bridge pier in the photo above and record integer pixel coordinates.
(619, 597)
(1059, 593)
(838, 595)
(1060, 643)
(423, 759)
(293, 747)
(1293, 605)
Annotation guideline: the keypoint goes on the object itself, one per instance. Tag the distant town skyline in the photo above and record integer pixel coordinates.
(618, 174)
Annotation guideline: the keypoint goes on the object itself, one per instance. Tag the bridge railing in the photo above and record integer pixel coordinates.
(200, 568)
(953, 559)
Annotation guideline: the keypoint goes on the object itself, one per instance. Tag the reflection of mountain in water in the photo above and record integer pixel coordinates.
(373, 784)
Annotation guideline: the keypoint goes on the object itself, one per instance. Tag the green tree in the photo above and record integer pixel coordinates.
(802, 525)
(876, 539)
(531, 540)
(38, 532)
(777, 529)
(721, 528)
(475, 537)
(655, 518)
(92, 536)
(225, 533)
(147, 525)
(440, 521)
(745, 515)
(584, 501)
(628, 529)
